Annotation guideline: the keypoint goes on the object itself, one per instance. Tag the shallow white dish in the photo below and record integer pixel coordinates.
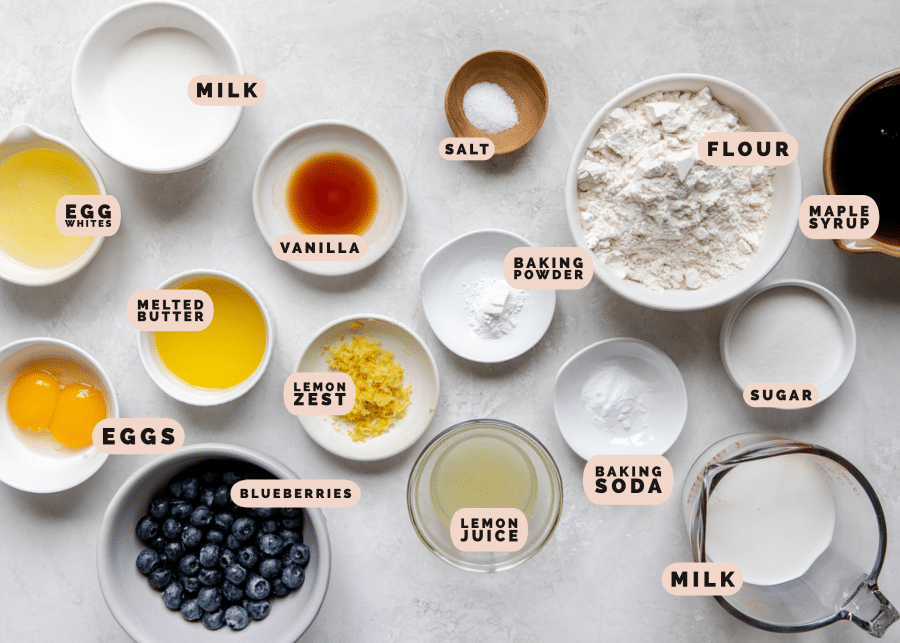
(447, 277)
(419, 370)
(780, 227)
(665, 400)
(849, 334)
(181, 390)
(138, 608)
(142, 141)
(288, 152)
(35, 462)
(20, 139)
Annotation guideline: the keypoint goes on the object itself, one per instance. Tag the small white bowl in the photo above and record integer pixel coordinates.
(27, 137)
(139, 609)
(139, 141)
(665, 400)
(288, 152)
(447, 278)
(419, 370)
(849, 334)
(178, 388)
(35, 462)
(780, 227)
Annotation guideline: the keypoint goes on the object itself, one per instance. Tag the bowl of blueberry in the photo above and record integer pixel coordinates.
(179, 561)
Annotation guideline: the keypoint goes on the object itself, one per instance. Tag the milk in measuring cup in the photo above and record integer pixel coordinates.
(772, 518)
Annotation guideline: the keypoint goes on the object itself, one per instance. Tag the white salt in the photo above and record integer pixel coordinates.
(489, 108)
(786, 334)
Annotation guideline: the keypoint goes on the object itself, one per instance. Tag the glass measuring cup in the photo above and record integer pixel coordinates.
(838, 585)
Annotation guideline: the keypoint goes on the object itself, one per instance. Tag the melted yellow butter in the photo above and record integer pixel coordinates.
(31, 184)
(227, 351)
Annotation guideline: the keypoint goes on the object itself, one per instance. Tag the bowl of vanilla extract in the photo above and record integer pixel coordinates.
(862, 156)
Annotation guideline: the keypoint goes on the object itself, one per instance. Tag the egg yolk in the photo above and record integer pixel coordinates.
(32, 400)
(78, 410)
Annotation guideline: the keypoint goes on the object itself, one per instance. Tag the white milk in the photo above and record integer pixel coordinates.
(772, 518)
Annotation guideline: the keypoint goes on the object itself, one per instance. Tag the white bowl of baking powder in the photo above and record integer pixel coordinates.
(779, 228)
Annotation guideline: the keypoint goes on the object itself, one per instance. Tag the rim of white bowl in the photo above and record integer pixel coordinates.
(346, 267)
(100, 25)
(162, 378)
(629, 95)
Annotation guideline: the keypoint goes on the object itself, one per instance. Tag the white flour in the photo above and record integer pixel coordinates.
(493, 306)
(656, 214)
(614, 398)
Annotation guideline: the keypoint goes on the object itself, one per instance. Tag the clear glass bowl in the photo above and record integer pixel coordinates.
(542, 500)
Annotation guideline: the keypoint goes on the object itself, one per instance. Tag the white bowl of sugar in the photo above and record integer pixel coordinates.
(789, 331)
(130, 86)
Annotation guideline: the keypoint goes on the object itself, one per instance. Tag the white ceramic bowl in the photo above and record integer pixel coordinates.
(419, 370)
(140, 610)
(20, 139)
(780, 227)
(178, 388)
(848, 330)
(665, 400)
(289, 151)
(143, 140)
(447, 280)
(35, 462)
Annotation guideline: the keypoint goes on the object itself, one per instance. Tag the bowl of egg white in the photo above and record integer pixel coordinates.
(53, 395)
(666, 230)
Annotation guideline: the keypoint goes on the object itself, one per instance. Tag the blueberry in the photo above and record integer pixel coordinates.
(279, 588)
(236, 617)
(171, 529)
(230, 478)
(147, 528)
(258, 587)
(215, 536)
(158, 543)
(222, 495)
(147, 561)
(227, 557)
(191, 488)
(224, 521)
(214, 620)
(270, 526)
(248, 557)
(210, 477)
(175, 488)
(292, 576)
(232, 592)
(258, 610)
(207, 496)
(189, 565)
(209, 556)
(201, 516)
(290, 512)
(191, 584)
(159, 578)
(236, 574)
(174, 551)
(291, 523)
(243, 528)
(231, 542)
(264, 512)
(172, 595)
(159, 508)
(180, 509)
(210, 577)
(271, 544)
(190, 610)
(296, 555)
(191, 537)
(290, 537)
(270, 568)
(209, 599)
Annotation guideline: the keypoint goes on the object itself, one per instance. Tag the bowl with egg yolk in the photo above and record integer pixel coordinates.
(53, 394)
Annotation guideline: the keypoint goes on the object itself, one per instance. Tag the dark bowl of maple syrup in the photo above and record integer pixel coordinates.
(862, 156)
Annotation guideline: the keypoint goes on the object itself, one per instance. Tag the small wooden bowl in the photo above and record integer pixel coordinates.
(519, 78)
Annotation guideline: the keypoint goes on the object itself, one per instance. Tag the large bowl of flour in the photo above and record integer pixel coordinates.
(665, 230)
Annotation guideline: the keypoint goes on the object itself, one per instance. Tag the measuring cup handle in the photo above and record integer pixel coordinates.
(869, 600)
